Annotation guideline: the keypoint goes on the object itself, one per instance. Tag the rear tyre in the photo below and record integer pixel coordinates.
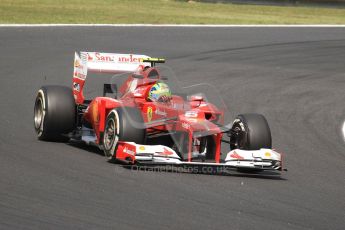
(122, 124)
(250, 132)
(54, 113)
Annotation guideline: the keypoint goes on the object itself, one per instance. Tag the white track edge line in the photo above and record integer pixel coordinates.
(343, 130)
(164, 25)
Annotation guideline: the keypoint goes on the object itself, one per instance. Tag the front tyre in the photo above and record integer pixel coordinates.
(122, 124)
(250, 132)
(54, 113)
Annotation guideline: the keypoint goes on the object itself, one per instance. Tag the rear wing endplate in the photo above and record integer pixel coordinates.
(103, 63)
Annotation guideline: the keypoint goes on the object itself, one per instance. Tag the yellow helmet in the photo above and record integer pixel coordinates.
(158, 90)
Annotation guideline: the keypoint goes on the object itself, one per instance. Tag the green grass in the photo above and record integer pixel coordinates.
(160, 12)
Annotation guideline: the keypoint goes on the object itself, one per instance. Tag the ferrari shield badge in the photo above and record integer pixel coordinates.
(149, 114)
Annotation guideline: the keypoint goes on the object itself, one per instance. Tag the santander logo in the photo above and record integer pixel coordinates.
(103, 57)
(235, 155)
(167, 152)
(130, 59)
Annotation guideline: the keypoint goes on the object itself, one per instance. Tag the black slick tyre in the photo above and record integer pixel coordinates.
(250, 132)
(122, 124)
(54, 113)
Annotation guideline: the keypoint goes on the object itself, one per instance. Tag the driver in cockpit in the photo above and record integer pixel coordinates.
(160, 92)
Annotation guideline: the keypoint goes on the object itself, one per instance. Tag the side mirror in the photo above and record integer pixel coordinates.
(138, 95)
(196, 98)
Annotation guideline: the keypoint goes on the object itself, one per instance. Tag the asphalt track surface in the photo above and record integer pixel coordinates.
(294, 76)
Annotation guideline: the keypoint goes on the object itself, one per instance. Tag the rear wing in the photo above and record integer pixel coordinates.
(103, 63)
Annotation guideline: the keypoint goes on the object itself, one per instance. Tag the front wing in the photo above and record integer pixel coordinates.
(160, 155)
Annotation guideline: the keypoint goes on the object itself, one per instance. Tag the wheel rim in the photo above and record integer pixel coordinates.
(110, 136)
(38, 115)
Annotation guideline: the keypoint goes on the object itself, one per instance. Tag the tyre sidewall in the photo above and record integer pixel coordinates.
(110, 151)
(59, 112)
(130, 127)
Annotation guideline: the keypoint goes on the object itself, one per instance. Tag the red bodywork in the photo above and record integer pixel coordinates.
(198, 120)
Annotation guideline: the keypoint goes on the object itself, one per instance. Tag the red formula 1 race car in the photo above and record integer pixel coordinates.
(145, 121)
